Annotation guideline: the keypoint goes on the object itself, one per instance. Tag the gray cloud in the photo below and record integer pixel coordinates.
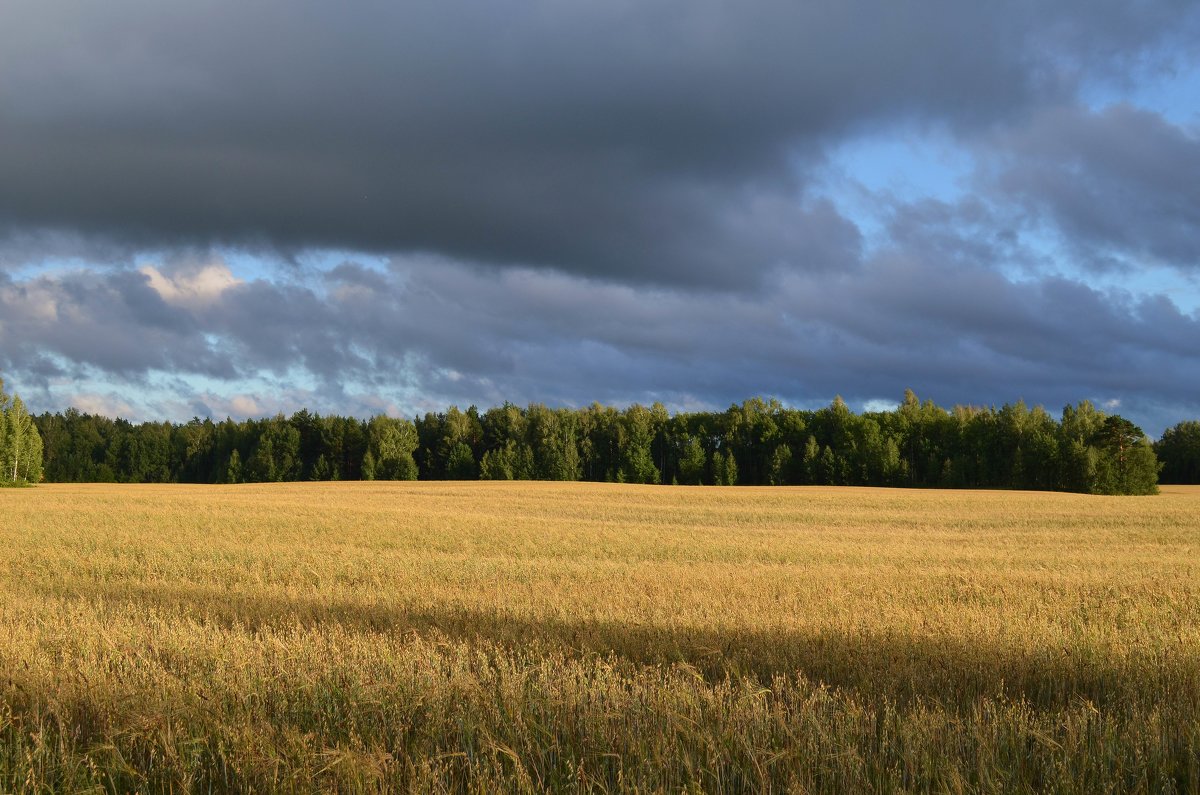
(427, 332)
(1122, 185)
(651, 141)
(112, 321)
(579, 202)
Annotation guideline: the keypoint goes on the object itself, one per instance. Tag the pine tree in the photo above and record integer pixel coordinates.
(1127, 464)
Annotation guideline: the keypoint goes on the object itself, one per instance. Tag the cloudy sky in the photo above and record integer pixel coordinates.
(231, 208)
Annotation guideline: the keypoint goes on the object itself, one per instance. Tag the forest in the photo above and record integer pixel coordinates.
(759, 442)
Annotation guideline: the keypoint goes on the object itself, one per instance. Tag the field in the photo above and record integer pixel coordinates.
(579, 637)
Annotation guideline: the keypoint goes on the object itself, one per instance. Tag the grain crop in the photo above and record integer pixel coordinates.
(484, 637)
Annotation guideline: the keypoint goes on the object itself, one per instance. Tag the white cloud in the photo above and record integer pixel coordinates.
(193, 288)
(103, 405)
(244, 405)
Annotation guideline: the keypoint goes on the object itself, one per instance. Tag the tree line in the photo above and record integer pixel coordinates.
(758, 442)
(1179, 452)
(20, 444)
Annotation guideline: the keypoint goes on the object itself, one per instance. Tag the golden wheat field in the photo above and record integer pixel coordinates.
(482, 637)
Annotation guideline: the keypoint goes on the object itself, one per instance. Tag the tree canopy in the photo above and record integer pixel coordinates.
(757, 442)
(1179, 451)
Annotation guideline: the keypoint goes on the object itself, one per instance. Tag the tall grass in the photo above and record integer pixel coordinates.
(522, 637)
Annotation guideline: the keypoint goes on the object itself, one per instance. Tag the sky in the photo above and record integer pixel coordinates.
(223, 208)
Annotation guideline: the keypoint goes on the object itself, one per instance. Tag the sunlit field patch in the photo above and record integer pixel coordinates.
(568, 636)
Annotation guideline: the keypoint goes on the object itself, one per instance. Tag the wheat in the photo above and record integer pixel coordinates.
(475, 637)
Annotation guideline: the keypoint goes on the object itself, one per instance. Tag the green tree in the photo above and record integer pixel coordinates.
(5, 444)
(1127, 464)
(460, 464)
(692, 462)
(498, 464)
(322, 469)
(392, 442)
(758, 442)
(812, 461)
(725, 468)
(21, 449)
(1078, 458)
(553, 445)
(461, 435)
(637, 460)
(233, 470)
(827, 467)
(891, 463)
(277, 455)
(31, 467)
(1179, 452)
(750, 433)
(781, 464)
(718, 467)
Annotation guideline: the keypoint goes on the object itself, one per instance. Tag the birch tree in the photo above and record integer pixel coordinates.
(4, 435)
(20, 427)
(20, 444)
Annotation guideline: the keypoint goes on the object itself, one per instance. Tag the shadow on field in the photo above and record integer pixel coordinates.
(901, 666)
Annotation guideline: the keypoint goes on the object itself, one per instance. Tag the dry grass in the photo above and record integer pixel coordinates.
(530, 636)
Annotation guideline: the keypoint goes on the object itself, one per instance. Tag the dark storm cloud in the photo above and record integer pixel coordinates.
(582, 201)
(650, 141)
(1122, 185)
